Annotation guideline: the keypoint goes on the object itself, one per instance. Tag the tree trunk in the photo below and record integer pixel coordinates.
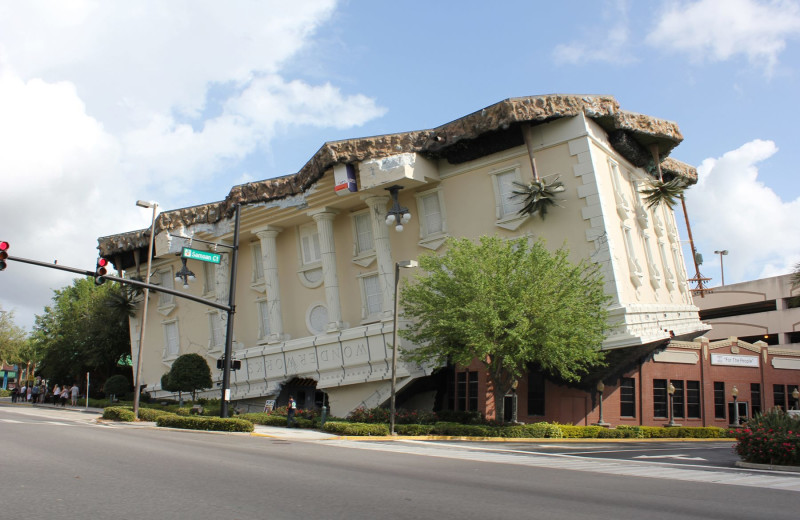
(499, 405)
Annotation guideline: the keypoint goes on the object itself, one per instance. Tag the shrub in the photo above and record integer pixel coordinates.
(204, 423)
(414, 429)
(460, 417)
(770, 438)
(369, 416)
(464, 430)
(118, 413)
(151, 414)
(4, 392)
(356, 429)
(117, 385)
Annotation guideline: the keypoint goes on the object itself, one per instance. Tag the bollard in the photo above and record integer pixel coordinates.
(323, 416)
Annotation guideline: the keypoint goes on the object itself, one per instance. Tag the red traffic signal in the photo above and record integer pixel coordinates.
(3, 254)
(100, 270)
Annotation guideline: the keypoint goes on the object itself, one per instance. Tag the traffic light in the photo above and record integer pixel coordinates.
(100, 271)
(3, 254)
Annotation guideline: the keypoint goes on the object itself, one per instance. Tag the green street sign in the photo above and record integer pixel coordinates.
(203, 256)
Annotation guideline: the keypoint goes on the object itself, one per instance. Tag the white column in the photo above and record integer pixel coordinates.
(269, 254)
(324, 219)
(383, 252)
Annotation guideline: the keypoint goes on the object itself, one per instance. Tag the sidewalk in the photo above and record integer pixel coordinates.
(78, 408)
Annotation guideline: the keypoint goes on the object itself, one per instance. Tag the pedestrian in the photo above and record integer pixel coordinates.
(35, 394)
(43, 393)
(56, 394)
(291, 409)
(64, 395)
(29, 392)
(74, 391)
(14, 394)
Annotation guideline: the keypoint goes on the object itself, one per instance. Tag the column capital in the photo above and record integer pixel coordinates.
(375, 200)
(323, 214)
(268, 231)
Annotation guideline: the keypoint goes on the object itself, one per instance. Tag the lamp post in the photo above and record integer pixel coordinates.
(397, 214)
(721, 270)
(735, 394)
(671, 392)
(796, 395)
(600, 388)
(397, 266)
(137, 388)
(514, 398)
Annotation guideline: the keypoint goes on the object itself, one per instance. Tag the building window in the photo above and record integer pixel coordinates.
(659, 398)
(755, 398)
(536, 386)
(166, 281)
(310, 251)
(362, 231)
(719, 400)
(370, 296)
(171, 339)
(627, 397)
(317, 318)
(693, 409)
(432, 218)
(258, 262)
(216, 333)
(507, 205)
(779, 395)
(466, 391)
(678, 400)
(209, 278)
(263, 319)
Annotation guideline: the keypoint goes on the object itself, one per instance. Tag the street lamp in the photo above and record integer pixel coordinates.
(796, 395)
(735, 394)
(137, 388)
(404, 264)
(397, 214)
(671, 392)
(184, 275)
(600, 388)
(721, 270)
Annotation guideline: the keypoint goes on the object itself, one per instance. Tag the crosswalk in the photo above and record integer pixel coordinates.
(649, 469)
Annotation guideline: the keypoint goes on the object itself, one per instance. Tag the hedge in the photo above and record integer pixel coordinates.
(356, 429)
(151, 414)
(204, 423)
(119, 413)
(770, 438)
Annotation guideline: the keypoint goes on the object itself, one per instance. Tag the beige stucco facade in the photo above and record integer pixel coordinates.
(315, 284)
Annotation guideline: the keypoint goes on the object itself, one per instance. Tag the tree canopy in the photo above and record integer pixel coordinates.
(189, 373)
(507, 304)
(84, 330)
(13, 340)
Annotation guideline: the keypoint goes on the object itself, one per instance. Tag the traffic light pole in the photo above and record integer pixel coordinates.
(226, 369)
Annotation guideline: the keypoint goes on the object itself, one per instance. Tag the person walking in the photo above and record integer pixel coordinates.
(34, 394)
(291, 409)
(56, 394)
(74, 391)
(14, 394)
(64, 395)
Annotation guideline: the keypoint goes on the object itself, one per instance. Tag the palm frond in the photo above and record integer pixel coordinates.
(663, 192)
(539, 195)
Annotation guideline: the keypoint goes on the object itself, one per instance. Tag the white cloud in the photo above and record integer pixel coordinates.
(103, 103)
(608, 41)
(731, 209)
(717, 30)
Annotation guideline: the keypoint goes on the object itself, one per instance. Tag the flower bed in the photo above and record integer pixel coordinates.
(771, 438)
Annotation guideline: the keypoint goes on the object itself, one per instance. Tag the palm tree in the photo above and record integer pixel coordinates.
(658, 191)
(540, 194)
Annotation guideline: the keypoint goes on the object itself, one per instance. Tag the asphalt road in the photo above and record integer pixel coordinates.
(63, 465)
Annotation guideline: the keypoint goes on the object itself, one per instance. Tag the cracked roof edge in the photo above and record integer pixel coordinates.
(629, 133)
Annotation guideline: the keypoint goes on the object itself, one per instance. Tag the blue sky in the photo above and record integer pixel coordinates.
(105, 103)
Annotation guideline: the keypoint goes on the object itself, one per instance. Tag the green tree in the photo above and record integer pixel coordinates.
(507, 304)
(12, 338)
(189, 373)
(84, 330)
(117, 385)
(795, 279)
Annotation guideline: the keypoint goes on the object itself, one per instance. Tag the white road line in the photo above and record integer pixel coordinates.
(10, 421)
(648, 469)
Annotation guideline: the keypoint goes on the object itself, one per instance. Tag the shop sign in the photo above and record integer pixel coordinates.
(734, 361)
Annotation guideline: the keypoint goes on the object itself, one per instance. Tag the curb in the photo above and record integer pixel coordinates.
(769, 467)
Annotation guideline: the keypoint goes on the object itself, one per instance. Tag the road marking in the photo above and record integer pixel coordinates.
(10, 421)
(633, 468)
(677, 456)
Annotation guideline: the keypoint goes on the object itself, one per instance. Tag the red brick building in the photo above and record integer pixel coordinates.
(703, 375)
